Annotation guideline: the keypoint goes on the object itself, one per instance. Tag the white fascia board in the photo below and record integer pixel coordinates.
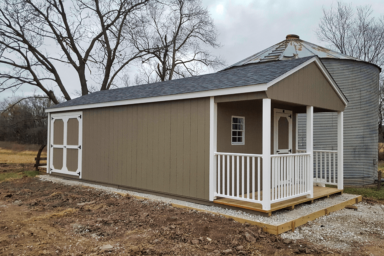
(192, 95)
(323, 70)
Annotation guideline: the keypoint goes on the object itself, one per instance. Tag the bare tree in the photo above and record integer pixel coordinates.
(85, 34)
(358, 34)
(178, 33)
(24, 120)
(354, 33)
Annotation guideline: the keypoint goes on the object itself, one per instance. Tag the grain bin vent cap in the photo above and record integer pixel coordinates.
(292, 48)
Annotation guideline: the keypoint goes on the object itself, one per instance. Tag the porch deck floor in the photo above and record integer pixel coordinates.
(318, 192)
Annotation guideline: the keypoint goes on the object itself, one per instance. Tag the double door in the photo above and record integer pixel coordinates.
(66, 143)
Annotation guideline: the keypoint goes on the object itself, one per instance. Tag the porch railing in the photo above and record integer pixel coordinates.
(238, 176)
(289, 176)
(324, 166)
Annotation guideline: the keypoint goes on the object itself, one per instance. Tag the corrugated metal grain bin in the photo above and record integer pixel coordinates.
(359, 81)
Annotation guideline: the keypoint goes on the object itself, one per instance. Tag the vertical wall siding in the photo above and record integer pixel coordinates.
(161, 147)
(308, 86)
(359, 82)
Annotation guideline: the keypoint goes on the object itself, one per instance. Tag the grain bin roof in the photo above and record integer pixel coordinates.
(261, 73)
(292, 48)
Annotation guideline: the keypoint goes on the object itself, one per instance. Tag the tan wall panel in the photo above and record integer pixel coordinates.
(73, 131)
(57, 158)
(72, 159)
(159, 146)
(307, 86)
(252, 111)
(58, 132)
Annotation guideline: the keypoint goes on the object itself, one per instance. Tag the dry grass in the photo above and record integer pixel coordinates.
(17, 175)
(20, 147)
(18, 157)
(381, 167)
(60, 214)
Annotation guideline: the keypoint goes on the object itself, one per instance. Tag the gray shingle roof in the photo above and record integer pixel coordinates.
(235, 77)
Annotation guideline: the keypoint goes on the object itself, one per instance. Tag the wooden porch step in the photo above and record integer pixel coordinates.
(318, 192)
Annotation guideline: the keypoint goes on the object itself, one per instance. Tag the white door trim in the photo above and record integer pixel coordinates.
(278, 113)
(65, 117)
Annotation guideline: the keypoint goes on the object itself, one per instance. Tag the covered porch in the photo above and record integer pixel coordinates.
(255, 160)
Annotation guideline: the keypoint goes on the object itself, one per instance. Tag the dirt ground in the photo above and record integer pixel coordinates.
(45, 218)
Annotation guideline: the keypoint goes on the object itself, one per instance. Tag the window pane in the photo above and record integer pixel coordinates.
(234, 127)
(239, 139)
(234, 120)
(234, 133)
(240, 127)
(234, 139)
(241, 120)
(240, 134)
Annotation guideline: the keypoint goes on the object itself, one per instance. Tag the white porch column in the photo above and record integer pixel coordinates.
(266, 154)
(310, 149)
(340, 150)
(212, 147)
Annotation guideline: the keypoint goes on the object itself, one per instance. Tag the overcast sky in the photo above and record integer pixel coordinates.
(249, 26)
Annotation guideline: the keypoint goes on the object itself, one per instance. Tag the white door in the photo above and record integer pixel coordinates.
(66, 143)
(282, 131)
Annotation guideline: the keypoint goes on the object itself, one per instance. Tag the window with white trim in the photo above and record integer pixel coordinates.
(238, 130)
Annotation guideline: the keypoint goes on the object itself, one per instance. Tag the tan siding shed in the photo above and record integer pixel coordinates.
(160, 147)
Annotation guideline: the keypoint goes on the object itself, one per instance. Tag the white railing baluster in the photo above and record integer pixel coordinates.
(242, 176)
(273, 178)
(228, 188)
(317, 166)
(334, 167)
(233, 176)
(223, 176)
(258, 179)
(278, 169)
(321, 165)
(237, 176)
(248, 182)
(329, 167)
(253, 178)
(218, 174)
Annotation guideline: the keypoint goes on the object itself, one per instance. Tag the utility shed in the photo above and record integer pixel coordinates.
(359, 81)
(230, 134)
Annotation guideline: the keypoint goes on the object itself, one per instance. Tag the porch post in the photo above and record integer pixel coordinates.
(266, 154)
(310, 149)
(212, 147)
(340, 150)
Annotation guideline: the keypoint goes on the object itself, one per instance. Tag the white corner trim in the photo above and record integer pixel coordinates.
(192, 95)
(323, 70)
(212, 147)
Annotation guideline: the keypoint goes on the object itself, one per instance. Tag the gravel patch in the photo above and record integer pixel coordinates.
(346, 229)
(277, 218)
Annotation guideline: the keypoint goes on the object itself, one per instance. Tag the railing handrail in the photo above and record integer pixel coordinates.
(284, 155)
(237, 154)
(330, 151)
